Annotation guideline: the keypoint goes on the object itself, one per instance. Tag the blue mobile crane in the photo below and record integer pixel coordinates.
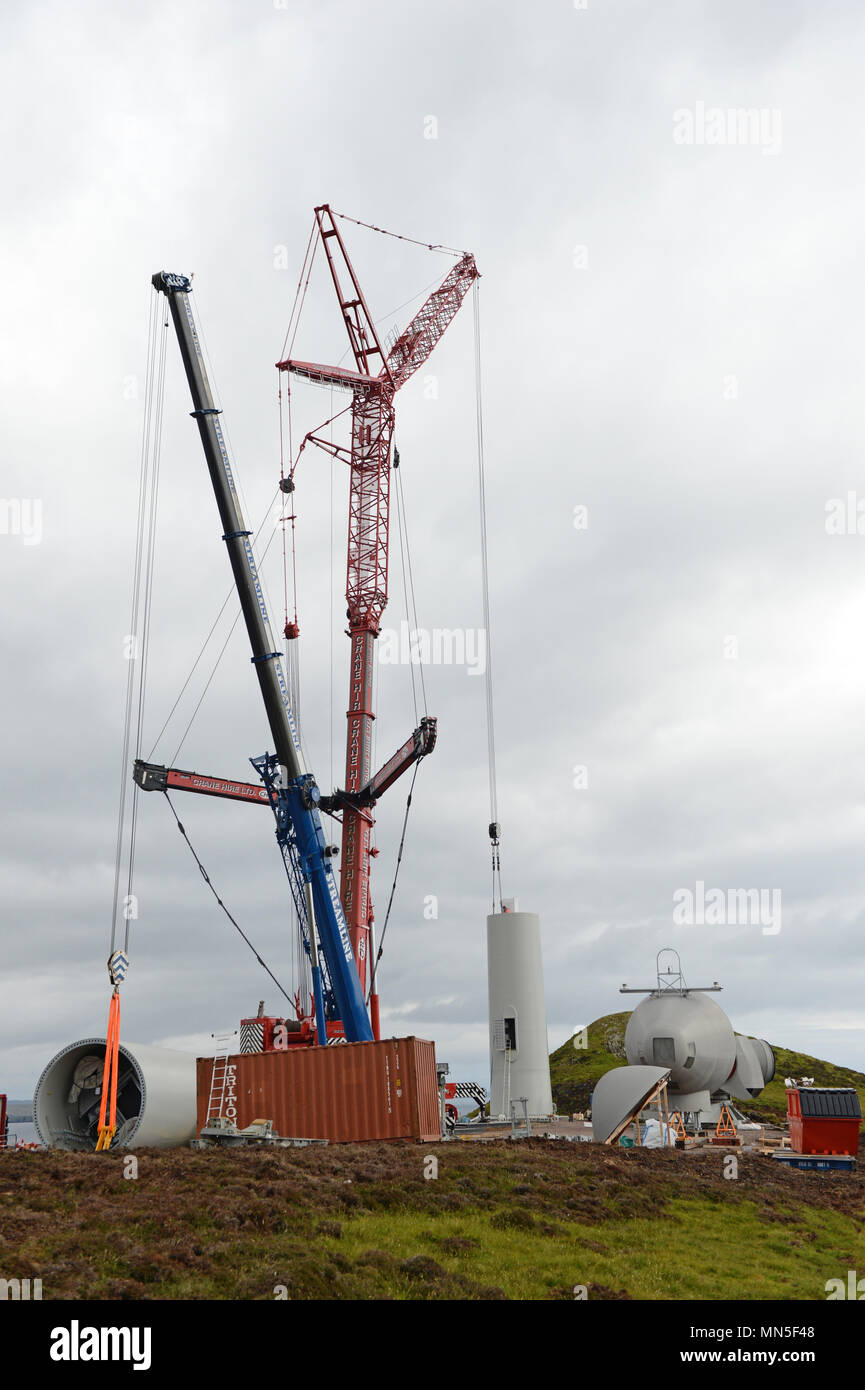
(291, 789)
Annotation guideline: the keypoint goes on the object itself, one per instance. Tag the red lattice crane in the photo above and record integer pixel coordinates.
(374, 382)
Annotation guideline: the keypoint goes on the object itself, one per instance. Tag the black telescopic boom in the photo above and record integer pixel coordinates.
(265, 656)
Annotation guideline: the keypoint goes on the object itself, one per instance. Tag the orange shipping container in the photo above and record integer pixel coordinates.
(346, 1092)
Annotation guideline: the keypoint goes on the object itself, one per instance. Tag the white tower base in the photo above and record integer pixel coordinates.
(519, 1050)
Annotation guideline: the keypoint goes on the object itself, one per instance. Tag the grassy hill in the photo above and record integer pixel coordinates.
(497, 1220)
(574, 1072)
(492, 1220)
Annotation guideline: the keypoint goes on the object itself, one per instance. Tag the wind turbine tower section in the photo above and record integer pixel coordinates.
(519, 1053)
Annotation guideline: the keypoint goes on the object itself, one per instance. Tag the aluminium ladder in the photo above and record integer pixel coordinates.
(218, 1076)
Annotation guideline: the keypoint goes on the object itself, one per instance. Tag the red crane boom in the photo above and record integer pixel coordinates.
(374, 383)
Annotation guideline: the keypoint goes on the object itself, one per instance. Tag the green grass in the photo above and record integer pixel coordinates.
(502, 1220)
(574, 1071)
(698, 1250)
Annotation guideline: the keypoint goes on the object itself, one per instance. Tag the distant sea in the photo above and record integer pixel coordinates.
(25, 1130)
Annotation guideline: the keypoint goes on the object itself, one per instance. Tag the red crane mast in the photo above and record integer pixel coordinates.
(374, 383)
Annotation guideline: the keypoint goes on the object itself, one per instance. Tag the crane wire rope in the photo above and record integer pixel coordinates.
(404, 571)
(378, 953)
(149, 562)
(291, 628)
(285, 493)
(300, 292)
(494, 828)
(402, 523)
(287, 346)
(228, 597)
(238, 483)
(137, 646)
(130, 671)
(142, 582)
(298, 958)
(332, 625)
(207, 684)
(236, 472)
(370, 226)
(232, 920)
(409, 573)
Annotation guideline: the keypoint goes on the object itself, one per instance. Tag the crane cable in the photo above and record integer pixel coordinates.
(136, 652)
(430, 246)
(234, 923)
(408, 586)
(494, 827)
(291, 626)
(372, 975)
(288, 514)
(232, 593)
(287, 487)
(300, 292)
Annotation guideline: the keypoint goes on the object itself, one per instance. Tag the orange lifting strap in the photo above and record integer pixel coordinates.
(109, 1077)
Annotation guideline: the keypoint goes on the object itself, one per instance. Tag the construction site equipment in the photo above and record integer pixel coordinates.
(677, 1124)
(824, 1163)
(463, 1090)
(260, 1134)
(621, 1095)
(219, 1076)
(824, 1119)
(517, 1013)
(725, 1128)
(678, 1026)
(257, 1034)
(520, 1130)
(108, 1105)
(155, 1100)
(770, 1144)
(156, 777)
(346, 1093)
(374, 380)
(292, 793)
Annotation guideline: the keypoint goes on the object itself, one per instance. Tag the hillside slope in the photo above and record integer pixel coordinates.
(493, 1220)
(574, 1072)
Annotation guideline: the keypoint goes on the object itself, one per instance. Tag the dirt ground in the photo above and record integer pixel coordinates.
(75, 1221)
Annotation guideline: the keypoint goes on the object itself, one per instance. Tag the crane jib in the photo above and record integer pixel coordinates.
(307, 846)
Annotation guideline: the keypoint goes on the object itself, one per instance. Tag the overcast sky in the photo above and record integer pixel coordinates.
(671, 326)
